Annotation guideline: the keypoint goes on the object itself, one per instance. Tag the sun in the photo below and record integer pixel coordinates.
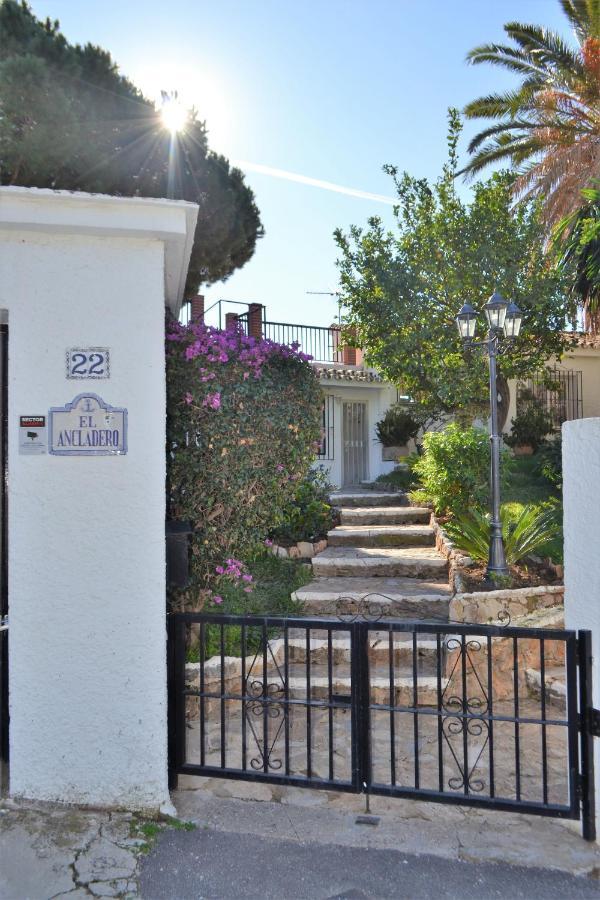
(173, 114)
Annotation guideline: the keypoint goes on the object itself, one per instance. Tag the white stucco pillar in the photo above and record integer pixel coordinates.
(581, 493)
(86, 532)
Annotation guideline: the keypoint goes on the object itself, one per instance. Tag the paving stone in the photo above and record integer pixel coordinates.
(104, 861)
(108, 888)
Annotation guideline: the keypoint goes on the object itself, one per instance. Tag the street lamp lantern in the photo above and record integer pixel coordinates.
(466, 322)
(512, 321)
(504, 321)
(495, 311)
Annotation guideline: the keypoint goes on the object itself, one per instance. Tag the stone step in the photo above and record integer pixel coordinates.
(368, 498)
(404, 598)
(379, 651)
(404, 688)
(555, 686)
(407, 562)
(381, 536)
(385, 515)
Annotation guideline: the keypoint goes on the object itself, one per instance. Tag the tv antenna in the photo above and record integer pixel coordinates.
(337, 294)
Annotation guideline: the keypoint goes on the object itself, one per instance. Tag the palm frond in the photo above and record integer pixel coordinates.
(506, 57)
(584, 16)
(545, 48)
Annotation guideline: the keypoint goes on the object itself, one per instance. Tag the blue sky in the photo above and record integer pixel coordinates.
(330, 90)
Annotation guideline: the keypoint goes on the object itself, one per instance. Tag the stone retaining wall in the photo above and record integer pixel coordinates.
(488, 606)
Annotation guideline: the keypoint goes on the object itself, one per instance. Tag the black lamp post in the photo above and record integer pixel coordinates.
(504, 324)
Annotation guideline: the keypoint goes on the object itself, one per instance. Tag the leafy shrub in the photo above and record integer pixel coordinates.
(550, 461)
(529, 427)
(454, 468)
(310, 515)
(397, 427)
(533, 530)
(243, 424)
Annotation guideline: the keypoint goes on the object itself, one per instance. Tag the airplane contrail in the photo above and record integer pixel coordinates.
(312, 182)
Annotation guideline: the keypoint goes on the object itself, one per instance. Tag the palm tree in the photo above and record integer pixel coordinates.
(577, 243)
(548, 127)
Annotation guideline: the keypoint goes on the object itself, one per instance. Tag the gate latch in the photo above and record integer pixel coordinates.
(594, 722)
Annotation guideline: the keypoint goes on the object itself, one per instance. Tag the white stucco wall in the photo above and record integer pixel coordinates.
(86, 534)
(581, 497)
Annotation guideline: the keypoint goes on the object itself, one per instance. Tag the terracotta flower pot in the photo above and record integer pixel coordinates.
(391, 454)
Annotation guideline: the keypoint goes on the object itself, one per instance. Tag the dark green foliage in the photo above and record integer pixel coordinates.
(310, 515)
(69, 120)
(243, 423)
(402, 289)
(454, 468)
(577, 244)
(530, 426)
(397, 427)
(400, 478)
(549, 460)
(532, 531)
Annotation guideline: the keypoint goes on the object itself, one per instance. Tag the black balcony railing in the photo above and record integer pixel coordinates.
(323, 344)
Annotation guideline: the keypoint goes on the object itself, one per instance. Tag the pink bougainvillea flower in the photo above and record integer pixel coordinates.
(268, 542)
(212, 400)
(247, 577)
(217, 599)
(247, 590)
(188, 398)
(220, 570)
(279, 467)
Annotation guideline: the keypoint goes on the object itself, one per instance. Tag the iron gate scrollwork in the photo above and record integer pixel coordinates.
(482, 715)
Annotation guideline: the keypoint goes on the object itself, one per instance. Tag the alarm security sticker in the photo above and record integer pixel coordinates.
(32, 435)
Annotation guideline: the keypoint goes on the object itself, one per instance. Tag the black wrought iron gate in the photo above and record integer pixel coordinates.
(482, 715)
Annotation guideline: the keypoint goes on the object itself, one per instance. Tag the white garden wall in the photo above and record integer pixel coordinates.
(86, 533)
(581, 494)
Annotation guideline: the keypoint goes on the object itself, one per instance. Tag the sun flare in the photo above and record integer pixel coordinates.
(173, 114)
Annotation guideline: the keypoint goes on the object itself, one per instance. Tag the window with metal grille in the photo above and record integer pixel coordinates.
(558, 391)
(326, 450)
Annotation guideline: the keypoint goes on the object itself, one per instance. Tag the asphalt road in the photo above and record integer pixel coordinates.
(211, 864)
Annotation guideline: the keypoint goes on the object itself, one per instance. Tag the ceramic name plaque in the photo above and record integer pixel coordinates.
(87, 426)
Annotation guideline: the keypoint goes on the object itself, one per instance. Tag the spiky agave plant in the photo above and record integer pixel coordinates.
(532, 531)
(549, 127)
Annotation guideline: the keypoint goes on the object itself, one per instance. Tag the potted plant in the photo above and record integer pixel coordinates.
(395, 430)
(529, 429)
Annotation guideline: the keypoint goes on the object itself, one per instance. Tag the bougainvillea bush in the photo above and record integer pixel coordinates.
(243, 425)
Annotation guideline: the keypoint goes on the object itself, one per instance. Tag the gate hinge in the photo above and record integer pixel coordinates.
(589, 722)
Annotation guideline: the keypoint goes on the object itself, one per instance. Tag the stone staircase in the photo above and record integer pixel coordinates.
(384, 552)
